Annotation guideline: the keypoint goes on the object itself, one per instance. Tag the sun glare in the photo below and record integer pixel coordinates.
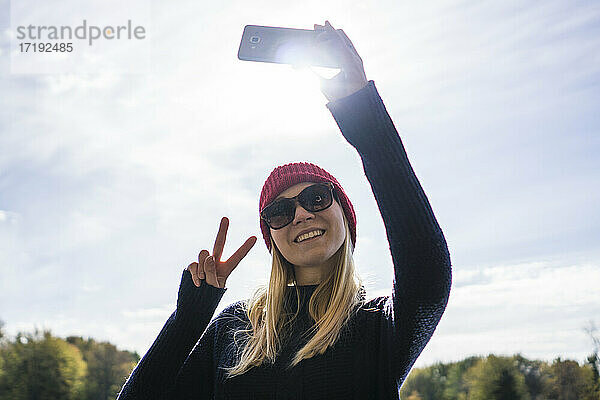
(292, 95)
(325, 72)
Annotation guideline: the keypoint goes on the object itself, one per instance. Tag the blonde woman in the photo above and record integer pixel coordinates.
(311, 333)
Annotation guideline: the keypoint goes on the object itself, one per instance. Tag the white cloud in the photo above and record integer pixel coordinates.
(9, 218)
(541, 284)
(539, 309)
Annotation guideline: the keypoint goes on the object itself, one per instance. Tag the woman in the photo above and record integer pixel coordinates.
(311, 334)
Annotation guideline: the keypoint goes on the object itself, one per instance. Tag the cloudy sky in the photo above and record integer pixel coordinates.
(116, 169)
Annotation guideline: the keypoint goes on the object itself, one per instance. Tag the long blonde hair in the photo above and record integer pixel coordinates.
(331, 306)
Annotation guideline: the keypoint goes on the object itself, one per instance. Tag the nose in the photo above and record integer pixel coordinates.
(301, 215)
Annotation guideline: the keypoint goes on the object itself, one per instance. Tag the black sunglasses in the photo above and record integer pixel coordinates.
(282, 211)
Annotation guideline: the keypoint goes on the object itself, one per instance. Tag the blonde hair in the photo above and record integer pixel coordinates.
(332, 304)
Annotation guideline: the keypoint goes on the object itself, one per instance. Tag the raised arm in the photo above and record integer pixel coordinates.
(155, 374)
(201, 289)
(422, 269)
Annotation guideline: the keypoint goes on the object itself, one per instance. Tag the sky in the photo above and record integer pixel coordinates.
(116, 168)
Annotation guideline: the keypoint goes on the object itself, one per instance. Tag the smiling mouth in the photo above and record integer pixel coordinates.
(309, 238)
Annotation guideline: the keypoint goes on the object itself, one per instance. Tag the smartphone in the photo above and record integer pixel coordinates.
(283, 46)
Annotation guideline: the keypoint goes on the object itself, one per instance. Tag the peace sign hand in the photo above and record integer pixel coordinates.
(210, 267)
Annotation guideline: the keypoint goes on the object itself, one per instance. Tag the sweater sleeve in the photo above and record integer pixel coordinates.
(422, 268)
(155, 375)
(196, 378)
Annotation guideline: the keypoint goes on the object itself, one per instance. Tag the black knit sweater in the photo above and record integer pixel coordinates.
(376, 349)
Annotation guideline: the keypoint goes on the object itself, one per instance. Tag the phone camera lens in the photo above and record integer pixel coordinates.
(255, 39)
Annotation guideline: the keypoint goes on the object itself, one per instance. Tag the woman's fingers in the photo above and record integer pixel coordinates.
(220, 240)
(346, 39)
(193, 268)
(201, 257)
(336, 42)
(210, 269)
(240, 253)
(351, 77)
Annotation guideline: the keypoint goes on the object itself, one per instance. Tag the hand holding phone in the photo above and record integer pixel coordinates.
(323, 47)
(352, 76)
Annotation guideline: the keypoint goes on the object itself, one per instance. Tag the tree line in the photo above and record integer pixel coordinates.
(505, 378)
(40, 366)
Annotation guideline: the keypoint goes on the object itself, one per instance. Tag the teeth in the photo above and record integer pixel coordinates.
(309, 235)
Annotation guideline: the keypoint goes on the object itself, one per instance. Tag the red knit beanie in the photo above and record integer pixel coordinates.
(288, 175)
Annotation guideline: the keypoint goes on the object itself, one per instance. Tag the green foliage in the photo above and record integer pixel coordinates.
(456, 386)
(593, 363)
(108, 367)
(498, 377)
(438, 382)
(533, 373)
(426, 383)
(569, 381)
(414, 396)
(43, 367)
(39, 366)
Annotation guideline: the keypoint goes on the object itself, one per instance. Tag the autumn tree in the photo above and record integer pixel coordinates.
(108, 368)
(569, 381)
(42, 367)
(425, 383)
(456, 386)
(533, 372)
(496, 378)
